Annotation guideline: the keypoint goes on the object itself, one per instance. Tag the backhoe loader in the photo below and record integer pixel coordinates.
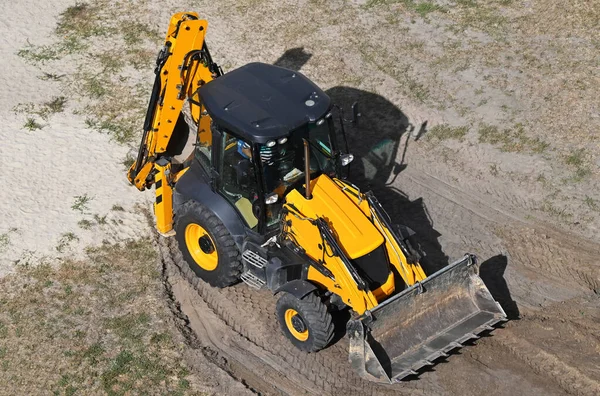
(247, 167)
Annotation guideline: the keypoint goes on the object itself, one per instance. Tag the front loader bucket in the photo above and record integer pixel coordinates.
(422, 323)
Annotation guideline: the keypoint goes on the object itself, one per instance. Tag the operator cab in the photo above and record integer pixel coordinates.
(261, 115)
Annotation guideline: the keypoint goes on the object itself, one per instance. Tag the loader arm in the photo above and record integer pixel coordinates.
(182, 66)
(404, 322)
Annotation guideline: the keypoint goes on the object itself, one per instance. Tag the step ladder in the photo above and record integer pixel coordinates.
(253, 259)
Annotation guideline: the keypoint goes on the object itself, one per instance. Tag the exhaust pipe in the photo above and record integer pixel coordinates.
(307, 192)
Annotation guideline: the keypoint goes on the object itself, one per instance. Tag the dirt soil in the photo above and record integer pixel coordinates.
(479, 130)
(504, 167)
(550, 347)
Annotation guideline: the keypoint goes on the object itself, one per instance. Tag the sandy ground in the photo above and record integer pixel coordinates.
(46, 170)
(64, 193)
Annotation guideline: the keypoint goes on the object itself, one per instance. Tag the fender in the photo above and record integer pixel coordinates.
(195, 185)
(298, 288)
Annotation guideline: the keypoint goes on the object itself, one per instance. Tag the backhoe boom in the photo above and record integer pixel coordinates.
(184, 58)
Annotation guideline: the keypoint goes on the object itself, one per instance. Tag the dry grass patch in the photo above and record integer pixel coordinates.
(108, 48)
(445, 132)
(89, 327)
(512, 139)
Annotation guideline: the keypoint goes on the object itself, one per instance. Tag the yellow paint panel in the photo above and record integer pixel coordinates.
(386, 289)
(355, 233)
(307, 235)
(190, 36)
(163, 205)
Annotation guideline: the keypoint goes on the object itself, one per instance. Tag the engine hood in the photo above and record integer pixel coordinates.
(352, 229)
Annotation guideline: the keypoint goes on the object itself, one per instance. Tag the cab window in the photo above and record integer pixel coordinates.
(238, 182)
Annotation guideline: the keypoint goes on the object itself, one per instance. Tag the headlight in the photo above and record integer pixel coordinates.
(321, 121)
(345, 159)
(271, 198)
(282, 140)
(271, 143)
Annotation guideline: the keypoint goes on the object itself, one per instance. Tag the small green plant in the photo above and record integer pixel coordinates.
(81, 21)
(101, 220)
(580, 174)
(65, 241)
(51, 77)
(81, 202)
(425, 8)
(95, 86)
(591, 202)
(93, 353)
(56, 105)
(445, 131)
(38, 54)
(119, 367)
(128, 161)
(511, 139)
(85, 224)
(3, 330)
(160, 338)
(542, 179)
(129, 326)
(494, 169)
(550, 208)
(5, 239)
(117, 208)
(31, 124)
(44, 111)
(72, 44)
(422, 8)
(111, 62)
(577, 160)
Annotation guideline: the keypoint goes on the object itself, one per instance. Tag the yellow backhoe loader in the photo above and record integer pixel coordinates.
(246, 166)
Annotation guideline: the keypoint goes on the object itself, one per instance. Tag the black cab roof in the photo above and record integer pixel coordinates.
(259, 102)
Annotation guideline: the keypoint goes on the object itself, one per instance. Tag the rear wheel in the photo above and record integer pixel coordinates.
(206, 245)
(306, 322)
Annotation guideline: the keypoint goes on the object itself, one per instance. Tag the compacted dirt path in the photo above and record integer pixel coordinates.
(540, 276)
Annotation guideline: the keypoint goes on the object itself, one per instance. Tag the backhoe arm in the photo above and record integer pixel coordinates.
(182, 66)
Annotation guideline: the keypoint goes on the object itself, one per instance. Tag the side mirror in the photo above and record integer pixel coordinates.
(355, 113)
(271, 198)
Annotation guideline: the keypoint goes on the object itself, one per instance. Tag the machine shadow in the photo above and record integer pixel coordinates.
(491, 272)
(293, 59)
(379, 144)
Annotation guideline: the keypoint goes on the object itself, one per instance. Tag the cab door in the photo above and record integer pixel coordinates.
(237, 179)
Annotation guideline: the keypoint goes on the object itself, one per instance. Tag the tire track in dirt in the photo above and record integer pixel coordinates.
(569, 378)
(251, 314)
(464, 220)
(256, 351)
(556, 256)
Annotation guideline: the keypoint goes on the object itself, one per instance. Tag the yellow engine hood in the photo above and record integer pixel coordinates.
(352, 229)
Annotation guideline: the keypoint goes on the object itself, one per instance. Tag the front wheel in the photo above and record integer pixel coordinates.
(206, 245)
(305, 322)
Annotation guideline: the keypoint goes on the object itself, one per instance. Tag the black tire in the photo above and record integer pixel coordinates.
(229, 265)
(313, 315)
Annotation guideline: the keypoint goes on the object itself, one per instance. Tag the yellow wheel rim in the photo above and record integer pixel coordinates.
(296, 325)
(201, 247)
